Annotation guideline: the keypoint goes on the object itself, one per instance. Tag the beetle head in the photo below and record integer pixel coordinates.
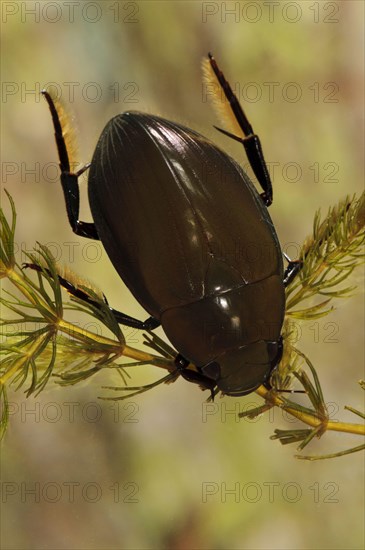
(240, 371)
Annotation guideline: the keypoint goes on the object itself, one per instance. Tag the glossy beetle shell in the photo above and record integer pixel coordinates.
(190, 236)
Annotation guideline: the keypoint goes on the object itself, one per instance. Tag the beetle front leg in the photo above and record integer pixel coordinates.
(69, 180)
(250, 140)
(195, 377)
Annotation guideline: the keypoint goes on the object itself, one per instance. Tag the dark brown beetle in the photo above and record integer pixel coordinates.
(192, 239)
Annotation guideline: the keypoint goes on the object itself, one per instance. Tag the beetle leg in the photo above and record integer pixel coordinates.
(250, 141)
(69, 180)
(192, 376)
(149, 324)
(71, 193)
(292, 269)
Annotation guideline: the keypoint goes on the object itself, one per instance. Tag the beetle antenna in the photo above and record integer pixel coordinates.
(290, 391)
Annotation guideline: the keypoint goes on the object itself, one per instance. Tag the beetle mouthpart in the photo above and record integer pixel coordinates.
(240, 371)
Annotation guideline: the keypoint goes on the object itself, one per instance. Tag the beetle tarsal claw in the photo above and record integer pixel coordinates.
(82, 170)
(229, 134)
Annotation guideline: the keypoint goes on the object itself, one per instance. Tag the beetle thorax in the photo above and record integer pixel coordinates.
(207, 328)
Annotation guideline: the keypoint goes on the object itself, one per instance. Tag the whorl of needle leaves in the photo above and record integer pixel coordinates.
(38, 341)
(330, 255)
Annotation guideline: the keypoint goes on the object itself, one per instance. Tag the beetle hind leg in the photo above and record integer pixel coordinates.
(249, 139)
(69, 179)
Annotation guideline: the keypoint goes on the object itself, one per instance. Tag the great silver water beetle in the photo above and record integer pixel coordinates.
(192, 239)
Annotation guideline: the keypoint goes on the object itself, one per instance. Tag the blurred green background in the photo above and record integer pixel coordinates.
(159, 470)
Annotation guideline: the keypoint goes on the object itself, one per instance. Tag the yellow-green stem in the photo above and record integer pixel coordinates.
(357, 429)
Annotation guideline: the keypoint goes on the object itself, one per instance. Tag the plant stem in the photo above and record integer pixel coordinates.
(313, 421)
